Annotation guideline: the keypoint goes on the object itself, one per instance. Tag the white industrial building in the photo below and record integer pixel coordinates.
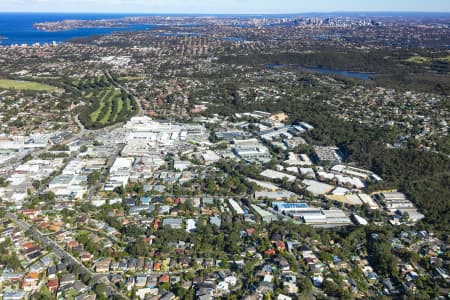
(251, 150)
(264, 214)
(164, 133)
(122, 165)
(264, 185)
(315, 216)
(210, 157)
(308, 173)
(298, 160)
(368, 200)
(397, 202)
(317, 188)
(73, 186)
(342, 180)
(236, 207)
(272, 174)
(276, 195)
(83, 166)
(328, 154)
(359, 220)
(119, 173)
(181, 165)
(356, 172)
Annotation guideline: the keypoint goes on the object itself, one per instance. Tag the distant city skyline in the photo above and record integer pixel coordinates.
(223, 7)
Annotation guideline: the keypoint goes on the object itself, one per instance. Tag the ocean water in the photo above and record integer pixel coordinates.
(17, 28)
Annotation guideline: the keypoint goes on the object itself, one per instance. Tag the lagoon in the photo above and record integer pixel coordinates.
(356, 75)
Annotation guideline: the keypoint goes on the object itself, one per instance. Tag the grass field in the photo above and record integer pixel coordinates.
(25, 85)
(418, 60)
(94, 115)
(427, 60)
(128, 104)
(105, 113)
(109, 104)
(445, 59)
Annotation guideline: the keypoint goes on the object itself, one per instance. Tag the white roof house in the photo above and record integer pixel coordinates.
(191, 225)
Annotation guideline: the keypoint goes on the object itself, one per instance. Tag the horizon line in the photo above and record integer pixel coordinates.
(231, 13)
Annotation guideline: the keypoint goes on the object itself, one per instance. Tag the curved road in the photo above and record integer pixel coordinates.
(118, 85)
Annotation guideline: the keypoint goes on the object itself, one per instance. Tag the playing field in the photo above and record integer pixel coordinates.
(25, 85)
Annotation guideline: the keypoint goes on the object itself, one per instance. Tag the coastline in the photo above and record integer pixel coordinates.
(18, 29)
(75, 28)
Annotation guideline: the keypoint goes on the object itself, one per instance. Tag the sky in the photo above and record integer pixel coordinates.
(222, 6)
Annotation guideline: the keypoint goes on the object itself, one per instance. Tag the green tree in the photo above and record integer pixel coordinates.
(100, 289)
(43, 294)
(3, 182)
(138, 248)
(380, 251)
(36, 184)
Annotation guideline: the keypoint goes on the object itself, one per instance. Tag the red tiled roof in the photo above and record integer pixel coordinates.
(54, 283)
